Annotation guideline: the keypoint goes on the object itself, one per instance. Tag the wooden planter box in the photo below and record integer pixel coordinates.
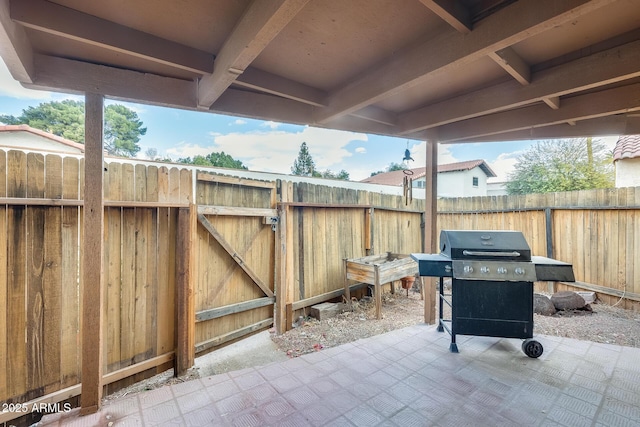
(378, 270)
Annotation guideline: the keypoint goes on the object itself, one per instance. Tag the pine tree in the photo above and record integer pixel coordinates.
(303, 165)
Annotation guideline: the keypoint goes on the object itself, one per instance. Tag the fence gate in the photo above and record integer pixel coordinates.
(234, 258)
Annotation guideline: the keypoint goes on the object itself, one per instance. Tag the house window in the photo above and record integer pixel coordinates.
(475, 181)
(418, 184)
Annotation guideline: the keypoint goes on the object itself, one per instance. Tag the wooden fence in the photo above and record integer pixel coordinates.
(194, 260)
(598, 231)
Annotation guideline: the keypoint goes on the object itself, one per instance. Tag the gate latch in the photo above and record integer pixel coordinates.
(273, 220)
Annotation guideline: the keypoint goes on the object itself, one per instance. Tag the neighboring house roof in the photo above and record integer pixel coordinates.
(7, 131)
(627, 147)
(396, 177)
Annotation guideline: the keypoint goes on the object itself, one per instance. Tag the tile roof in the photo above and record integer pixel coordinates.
(627, 147)
(395, 178)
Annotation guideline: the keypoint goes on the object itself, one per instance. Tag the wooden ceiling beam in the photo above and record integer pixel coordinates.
(606, 67)
(451, 49)
(59, 74)
(601, 126)
(68, 23)
(582, 107)
(263, 81)
(261, 22)
(513, 64)
(237, 102)
(453, 12)
(552, 101)
(377, 115)
(15, 48)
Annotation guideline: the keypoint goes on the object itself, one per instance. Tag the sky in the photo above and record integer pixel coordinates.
(268, 146)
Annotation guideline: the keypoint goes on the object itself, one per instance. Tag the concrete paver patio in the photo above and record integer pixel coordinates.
(402, 378)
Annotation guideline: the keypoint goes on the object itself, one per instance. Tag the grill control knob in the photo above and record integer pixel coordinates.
(502, 270)
(519, 271)
(485, 269)
(468, 269)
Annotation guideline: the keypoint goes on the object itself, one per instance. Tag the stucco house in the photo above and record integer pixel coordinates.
(25, 137)
(462, 179)
(626, 159)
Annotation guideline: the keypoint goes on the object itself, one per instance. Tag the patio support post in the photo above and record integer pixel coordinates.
(185, 292)
(92, 248)
(430, 226)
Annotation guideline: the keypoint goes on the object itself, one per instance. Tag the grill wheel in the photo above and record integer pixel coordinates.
(532, 348)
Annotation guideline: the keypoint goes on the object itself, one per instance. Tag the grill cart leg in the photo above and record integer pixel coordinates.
(440, 301)
(453, 347)
(532, 348)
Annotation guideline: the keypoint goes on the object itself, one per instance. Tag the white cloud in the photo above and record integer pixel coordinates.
(418, 153)
(275, 151)
(361, 150)
(503, 165)
(271, 125)
(239, 122)
(185, 149)
(10, 87)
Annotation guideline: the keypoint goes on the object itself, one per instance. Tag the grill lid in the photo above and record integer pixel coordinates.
(485, 245)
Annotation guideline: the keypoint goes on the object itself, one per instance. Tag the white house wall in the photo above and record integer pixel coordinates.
(628, 173)
(460, 183)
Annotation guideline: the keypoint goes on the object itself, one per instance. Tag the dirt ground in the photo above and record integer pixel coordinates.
(604, 324)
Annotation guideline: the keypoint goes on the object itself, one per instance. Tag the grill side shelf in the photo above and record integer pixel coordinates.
(433, 265)
(551, 270)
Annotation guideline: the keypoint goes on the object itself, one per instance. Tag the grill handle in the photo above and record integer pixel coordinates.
(484, 253)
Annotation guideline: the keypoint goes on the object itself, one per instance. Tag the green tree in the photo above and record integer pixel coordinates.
(64, 118)
(217, 159)
(342, 175)
(122, 129)
(562, 165)
(304, 165)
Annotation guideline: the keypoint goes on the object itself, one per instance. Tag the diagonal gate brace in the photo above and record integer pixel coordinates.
(234, 255)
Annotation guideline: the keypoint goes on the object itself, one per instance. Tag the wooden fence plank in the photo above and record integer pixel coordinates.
(112, 278)
(35, 269)
(52, 290)
(165, 290)
(16, 297)
(70, 280)
(128, 287)
(70, 178)
(16, 174)
(53, 178)
(3, 173)
(163, 184)
(4, 308)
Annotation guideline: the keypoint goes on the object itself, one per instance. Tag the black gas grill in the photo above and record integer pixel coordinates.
(492, 275)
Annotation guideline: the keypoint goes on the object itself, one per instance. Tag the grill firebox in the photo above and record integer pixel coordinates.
(492, 275)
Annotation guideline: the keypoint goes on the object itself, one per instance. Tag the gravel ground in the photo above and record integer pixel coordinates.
(604, 324)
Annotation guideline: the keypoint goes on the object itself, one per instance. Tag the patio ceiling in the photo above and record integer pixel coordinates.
(443, 70)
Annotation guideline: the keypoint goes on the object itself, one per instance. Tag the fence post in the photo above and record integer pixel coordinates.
(281, 258)
(185, 298)
(548, 214)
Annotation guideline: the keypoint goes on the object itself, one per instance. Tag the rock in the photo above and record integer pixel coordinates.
(326, 310)
(543, 305)
(567, 300)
